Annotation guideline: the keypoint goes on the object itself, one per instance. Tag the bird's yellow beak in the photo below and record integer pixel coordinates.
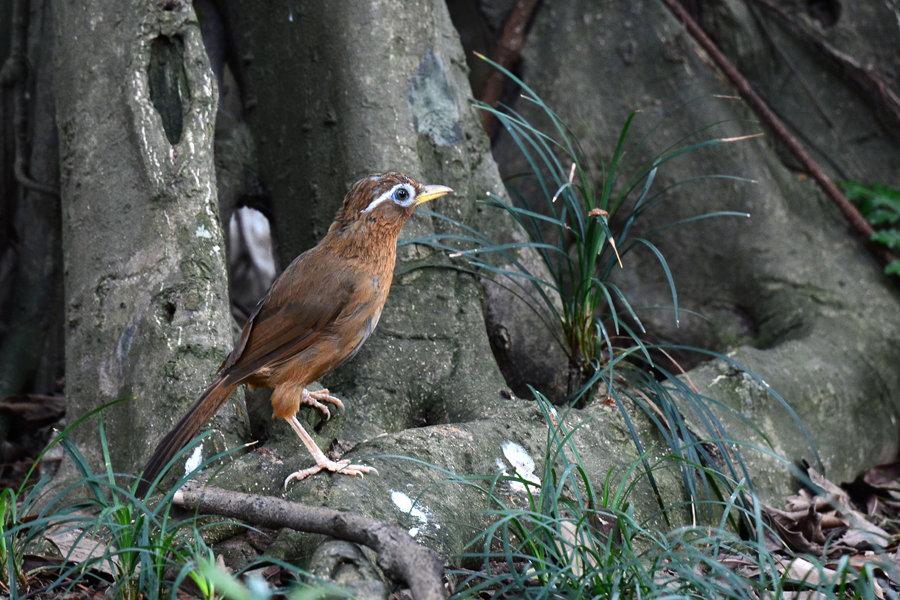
(431, 192)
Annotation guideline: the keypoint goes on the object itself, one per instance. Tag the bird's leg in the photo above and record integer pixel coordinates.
(322, 462)
(316, 399)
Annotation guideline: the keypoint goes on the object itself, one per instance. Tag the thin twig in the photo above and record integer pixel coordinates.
(853, 216)
(399, 556)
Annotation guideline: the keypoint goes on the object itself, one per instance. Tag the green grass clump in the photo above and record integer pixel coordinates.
(573, 539)
(106, 539)
(581, 226)
(12, 550)
(880, 205)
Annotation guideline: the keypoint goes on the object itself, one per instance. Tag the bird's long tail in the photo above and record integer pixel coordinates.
(200, 412)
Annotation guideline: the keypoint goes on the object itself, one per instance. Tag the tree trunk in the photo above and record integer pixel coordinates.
(147, 312)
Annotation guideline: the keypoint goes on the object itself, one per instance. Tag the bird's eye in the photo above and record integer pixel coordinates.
(401, 195)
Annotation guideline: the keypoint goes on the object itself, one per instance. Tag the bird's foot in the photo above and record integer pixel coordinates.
(316, 399)
(342, 467)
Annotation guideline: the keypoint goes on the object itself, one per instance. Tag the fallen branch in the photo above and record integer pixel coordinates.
(399, 556)
(761, 108)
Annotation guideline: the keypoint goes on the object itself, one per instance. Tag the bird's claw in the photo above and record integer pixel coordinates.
(342, 467)
(355, 470)
(316, 399)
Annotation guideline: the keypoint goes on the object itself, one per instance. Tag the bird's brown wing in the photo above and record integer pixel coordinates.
(289, 319)
(302, 305)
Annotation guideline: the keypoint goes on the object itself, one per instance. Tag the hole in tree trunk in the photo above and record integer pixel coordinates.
(168, 84)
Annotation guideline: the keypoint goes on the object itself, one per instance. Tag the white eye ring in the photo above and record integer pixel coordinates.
(389, 195)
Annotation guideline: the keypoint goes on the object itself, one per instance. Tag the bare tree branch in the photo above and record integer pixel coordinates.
(399, 556)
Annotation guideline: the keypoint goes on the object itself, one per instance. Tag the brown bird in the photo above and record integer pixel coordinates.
(316, 316)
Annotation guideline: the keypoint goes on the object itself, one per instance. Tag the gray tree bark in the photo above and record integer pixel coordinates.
(147, 312)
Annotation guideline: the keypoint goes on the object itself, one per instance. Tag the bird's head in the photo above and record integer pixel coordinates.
(385, 199)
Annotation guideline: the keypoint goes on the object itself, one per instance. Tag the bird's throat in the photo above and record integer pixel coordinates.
(367, 242)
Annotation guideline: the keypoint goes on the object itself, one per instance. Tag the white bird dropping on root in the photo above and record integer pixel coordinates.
(405, 504)
(194, 461)
(522, 464)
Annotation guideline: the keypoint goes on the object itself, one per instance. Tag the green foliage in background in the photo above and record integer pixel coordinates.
(880, 205)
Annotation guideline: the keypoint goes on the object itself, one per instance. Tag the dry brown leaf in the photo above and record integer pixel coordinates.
(786, 525)
(800, 569)
(837, 494)
(77, 547)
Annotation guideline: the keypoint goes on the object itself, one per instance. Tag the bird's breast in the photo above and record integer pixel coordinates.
(361, 315)
(363, 335)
